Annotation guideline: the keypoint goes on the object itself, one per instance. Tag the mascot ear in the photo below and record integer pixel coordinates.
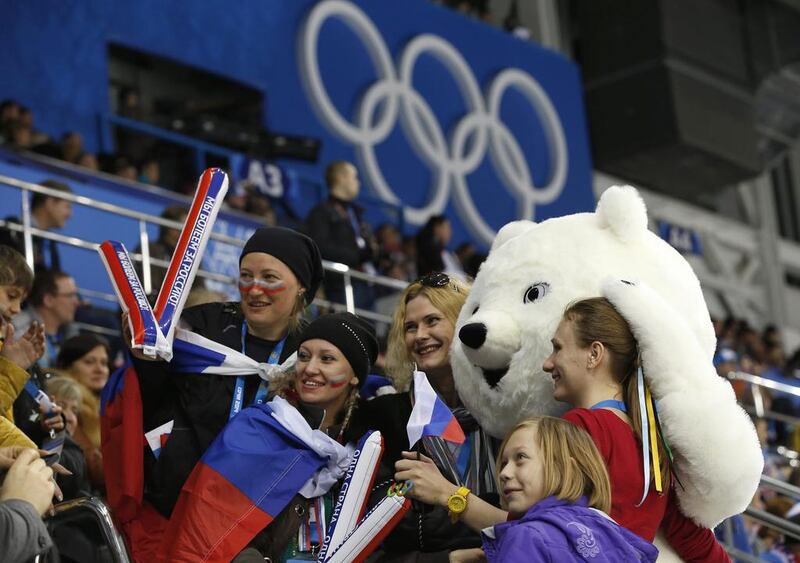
(621, 209)
(509, 231)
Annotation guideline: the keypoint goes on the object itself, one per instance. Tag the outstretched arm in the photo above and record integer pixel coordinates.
(717, 456)
(430, 487)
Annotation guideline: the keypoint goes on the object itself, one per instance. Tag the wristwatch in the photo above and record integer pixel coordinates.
(457, 503)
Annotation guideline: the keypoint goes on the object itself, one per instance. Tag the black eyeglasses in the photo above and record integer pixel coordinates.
(435, 279)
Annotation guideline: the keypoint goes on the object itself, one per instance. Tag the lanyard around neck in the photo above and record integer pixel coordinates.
(610, 403)
(263, 389)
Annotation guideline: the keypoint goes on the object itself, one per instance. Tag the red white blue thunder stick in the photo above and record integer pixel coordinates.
(185, 262)
(145, 334)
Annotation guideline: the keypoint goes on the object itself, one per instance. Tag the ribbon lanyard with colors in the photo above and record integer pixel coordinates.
(263, 390)
(647, 413)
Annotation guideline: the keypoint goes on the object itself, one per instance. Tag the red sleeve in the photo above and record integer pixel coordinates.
(690, 541)
(591, 422)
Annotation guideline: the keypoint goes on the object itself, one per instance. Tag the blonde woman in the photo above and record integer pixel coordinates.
(422, 331)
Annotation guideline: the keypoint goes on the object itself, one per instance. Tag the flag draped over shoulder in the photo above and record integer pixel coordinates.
(122, 443)
(246, 477)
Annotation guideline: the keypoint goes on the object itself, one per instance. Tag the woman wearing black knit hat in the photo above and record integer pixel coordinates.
(335, 355)
(280, 271)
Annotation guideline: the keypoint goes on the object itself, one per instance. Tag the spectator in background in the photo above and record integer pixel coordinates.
(47, 213)
(338, 228)
(391, 260)
(71, 147)
(410, 251)
(26, 119)
(432, 252)
(20, 137)
(9, 114)
(123, 168)
(163, 248)
(89, 160)
(53, 302)
(66, 393)
(84, 359)
(149, 171)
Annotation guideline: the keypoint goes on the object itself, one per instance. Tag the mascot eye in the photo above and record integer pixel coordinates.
(476, 310)
(536, 292)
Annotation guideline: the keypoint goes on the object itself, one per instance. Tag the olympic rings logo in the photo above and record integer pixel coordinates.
(450, 161)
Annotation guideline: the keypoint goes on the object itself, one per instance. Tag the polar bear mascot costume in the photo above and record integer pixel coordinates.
(535, 270)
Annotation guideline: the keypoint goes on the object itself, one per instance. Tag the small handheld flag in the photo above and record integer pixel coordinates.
(430, 415)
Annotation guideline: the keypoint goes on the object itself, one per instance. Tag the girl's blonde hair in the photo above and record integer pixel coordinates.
(573, 467)
(448, 299)
(64, 388)
(596, 320)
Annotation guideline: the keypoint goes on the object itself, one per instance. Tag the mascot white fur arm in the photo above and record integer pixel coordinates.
(534, 271)
(717, 457)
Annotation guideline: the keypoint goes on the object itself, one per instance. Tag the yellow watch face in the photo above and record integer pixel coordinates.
(457, 504)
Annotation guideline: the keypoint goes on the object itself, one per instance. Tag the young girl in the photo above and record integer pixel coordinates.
(594, 365)
(556, 488)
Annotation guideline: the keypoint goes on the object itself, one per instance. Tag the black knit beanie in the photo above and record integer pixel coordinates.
(354, 336)
(294, 249)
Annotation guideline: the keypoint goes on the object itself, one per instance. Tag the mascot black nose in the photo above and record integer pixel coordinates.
(473, 335)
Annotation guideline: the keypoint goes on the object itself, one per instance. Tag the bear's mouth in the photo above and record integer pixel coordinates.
(493, 376)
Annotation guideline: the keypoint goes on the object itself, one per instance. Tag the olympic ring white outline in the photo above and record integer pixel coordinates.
(482, 121)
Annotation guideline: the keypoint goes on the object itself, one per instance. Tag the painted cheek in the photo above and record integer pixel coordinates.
(337, 383)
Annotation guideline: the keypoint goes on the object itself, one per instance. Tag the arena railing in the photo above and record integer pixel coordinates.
(29, 231)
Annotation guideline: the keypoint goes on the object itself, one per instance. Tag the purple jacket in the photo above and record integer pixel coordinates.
(556, 530)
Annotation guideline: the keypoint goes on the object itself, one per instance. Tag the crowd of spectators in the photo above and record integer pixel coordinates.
(742, 348)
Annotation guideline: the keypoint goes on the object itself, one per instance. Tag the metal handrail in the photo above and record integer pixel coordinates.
(782, 525)
(780, 486)
(28, 229)
(764, 382)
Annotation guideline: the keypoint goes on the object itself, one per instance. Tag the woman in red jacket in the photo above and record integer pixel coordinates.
(594, 365)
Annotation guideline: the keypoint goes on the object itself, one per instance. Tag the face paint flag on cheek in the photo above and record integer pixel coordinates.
(269, 288)
(337, 382)
(185, 262)
(145, 334)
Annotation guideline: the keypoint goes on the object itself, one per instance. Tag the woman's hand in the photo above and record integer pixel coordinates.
(474, 555)
(26, 350)
(429, 486)
(52, 420)
(127, 339)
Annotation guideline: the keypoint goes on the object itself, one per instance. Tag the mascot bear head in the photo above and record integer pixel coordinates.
(532, 273)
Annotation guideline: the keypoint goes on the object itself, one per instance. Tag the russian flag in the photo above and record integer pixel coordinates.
(122, 443)
(246, 477)
(430, 415)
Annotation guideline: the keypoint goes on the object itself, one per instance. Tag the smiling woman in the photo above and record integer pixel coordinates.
(279, 273)
(335, 354)
(421, 334)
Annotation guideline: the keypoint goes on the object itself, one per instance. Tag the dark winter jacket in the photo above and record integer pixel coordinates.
(427, 529)
(199, 404)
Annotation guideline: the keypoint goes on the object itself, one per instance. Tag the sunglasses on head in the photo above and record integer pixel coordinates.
(435, 279)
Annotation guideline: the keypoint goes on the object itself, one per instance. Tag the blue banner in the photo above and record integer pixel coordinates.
(440, 113)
